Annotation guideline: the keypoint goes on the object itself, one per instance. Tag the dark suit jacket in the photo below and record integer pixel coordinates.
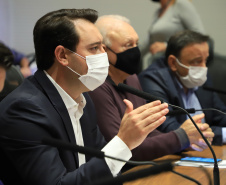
(36, 110)
(159, 80)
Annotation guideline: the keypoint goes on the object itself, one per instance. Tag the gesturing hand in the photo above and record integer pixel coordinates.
(138, 123)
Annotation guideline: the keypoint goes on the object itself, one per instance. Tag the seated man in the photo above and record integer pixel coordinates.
(6, 60)
(54, 104)
(120, 42)
(179, 78)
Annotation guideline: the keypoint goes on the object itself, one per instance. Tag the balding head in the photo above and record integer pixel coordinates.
(109, 25)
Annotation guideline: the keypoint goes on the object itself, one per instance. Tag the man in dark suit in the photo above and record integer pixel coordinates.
(178, 79)
(120, 42)
(53, 103)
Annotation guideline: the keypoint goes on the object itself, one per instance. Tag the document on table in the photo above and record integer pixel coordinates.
(221, 164)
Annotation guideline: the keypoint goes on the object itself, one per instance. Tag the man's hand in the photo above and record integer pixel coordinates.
(157, 47)
(196, 140)
(137, 124)
(24, 67)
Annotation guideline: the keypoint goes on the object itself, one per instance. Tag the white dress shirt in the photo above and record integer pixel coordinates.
(115, 148)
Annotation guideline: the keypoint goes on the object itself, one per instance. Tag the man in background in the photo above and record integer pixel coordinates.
(120, 42)
(179, 77)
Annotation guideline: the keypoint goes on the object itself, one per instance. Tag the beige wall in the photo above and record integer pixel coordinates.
(21, 15)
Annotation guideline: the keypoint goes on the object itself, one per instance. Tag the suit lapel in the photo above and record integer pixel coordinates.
(50, 91)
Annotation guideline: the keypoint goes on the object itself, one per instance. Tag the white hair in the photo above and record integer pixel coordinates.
(104, 25)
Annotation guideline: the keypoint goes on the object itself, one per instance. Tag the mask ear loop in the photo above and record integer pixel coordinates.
(73, 71)
(112, 52)
(76, 54)
(182, 65)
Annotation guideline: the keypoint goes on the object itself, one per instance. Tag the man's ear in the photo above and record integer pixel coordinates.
(60, 55)
(172, 63)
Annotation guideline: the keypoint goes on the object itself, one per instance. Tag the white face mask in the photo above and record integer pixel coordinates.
(196, 76)
(97, 70)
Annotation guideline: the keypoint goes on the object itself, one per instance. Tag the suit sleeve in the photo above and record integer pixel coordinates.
(156, 84)
(22, 127)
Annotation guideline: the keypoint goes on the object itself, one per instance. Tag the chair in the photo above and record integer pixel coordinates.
(13, 79)
(217, 71)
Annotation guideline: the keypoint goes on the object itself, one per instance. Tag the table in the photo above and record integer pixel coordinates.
(169, 178)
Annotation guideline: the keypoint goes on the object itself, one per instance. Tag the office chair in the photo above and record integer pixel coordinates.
(217, 71)
(13, 79)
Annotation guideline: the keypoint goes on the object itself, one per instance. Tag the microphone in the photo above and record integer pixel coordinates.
(75, 148)
(97, 153)
(167, 166)
(178, 112)
(139, 93)
(153, 98)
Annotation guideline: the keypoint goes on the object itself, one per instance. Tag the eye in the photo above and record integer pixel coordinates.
(94, 48)
(195, 63)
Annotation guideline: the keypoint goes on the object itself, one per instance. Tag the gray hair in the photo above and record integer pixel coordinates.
(104, 25)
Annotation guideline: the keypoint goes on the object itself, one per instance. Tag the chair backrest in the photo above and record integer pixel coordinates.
(217, 71)
(13, 79)
(14, 76)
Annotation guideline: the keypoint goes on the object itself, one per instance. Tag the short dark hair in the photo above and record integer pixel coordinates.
(6, 56)
(56, 28)
(182, 39)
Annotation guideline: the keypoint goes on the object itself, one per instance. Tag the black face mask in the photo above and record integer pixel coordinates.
(128, 61)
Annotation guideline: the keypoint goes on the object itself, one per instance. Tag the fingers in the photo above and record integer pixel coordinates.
(204, 126)
(196, 147)
(138, 123)
(129, 105)
(148, 114)
(198, 118)
(206, 131)
(156, 112)
(200, 145)
(147, 106)
(209, 136)
(150, 127)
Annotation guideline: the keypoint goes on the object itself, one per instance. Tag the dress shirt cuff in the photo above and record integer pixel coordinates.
(183, 138)
(116, 148)
(224, 135)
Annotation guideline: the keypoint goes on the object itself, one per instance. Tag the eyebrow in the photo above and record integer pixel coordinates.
(95, 43)
(130, 39)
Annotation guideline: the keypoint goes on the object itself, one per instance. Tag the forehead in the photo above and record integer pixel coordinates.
(123, 33)
(88, 33)
(195, 50)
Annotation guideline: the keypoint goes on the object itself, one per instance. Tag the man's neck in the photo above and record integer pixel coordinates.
(184, 88)
(74, 88)
(117, 75)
